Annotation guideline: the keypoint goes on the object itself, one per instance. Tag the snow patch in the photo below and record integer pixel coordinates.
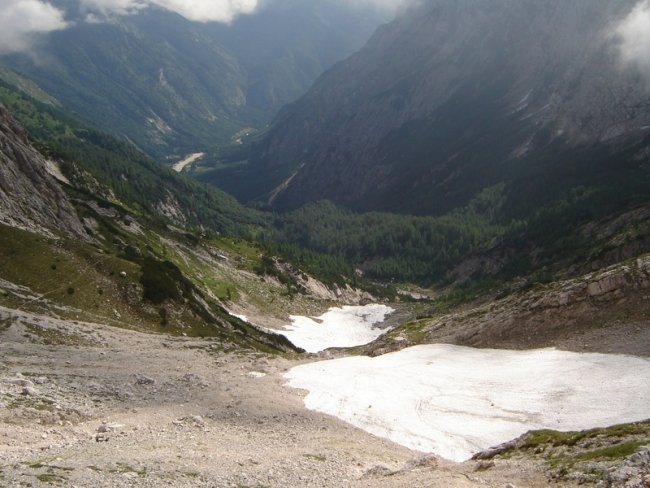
(456, 401)
(243, 318)
(347, 326)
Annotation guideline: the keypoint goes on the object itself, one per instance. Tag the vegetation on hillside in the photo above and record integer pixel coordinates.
(391, 247)
(549, 222)
(536, 227)
(585, 457)
(116, 170)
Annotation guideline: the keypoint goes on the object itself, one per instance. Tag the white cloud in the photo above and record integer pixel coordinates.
(634, 35)
(209, 10)
(197, 10)
(21, 21)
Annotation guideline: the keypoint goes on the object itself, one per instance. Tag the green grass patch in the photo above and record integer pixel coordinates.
(64, 272)
(414, 331)
(50, 478)
(587, 453)
(40, 404)
(247, 255)
(618, 451)
(556, 439)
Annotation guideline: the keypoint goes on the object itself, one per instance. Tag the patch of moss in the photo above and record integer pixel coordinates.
(556, 439)
(553, 438)
(50, 478)
(617, 451)
(414, 330)
(41, 404)
(585, 454)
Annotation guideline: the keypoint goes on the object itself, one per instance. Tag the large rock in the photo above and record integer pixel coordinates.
(30, 197)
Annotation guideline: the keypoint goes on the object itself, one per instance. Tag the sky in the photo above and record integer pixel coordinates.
(21, 20)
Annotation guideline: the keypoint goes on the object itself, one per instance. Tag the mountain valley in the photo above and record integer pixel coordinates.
(449, 99)
(456, 215)
(172, 86)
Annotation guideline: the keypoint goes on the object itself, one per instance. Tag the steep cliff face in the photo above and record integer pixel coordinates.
(456, 95)
(30, 197)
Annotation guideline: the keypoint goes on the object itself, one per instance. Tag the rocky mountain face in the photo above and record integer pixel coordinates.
(602, 311)
(454, 96)
(172, 86)
(30, 197)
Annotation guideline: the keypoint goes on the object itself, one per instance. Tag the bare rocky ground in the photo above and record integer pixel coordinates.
(607, 311)
(89, 405)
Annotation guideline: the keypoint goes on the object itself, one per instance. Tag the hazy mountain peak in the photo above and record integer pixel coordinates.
(453, 88)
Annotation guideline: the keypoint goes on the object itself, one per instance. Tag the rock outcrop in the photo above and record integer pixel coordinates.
(30, 197)
(604, 311)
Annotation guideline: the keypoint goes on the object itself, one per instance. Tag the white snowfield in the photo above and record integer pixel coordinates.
(456, 401)
(338, 327)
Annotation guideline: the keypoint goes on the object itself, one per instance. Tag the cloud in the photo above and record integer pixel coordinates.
(633, 33)
(196, 10)
(21, 21)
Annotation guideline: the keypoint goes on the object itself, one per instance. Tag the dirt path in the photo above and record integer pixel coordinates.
(90, 405)
(191, 159)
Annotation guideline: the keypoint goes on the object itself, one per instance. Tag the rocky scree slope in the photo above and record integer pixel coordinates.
(605, 311)
(88, 258)
(455, 96)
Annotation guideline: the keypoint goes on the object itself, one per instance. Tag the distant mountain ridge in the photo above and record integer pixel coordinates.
(172, 86)
(453, 97)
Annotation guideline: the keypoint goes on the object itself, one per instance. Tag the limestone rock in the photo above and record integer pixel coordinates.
(30, 197)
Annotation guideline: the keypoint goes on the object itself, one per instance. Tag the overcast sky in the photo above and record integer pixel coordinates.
(21, 20)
